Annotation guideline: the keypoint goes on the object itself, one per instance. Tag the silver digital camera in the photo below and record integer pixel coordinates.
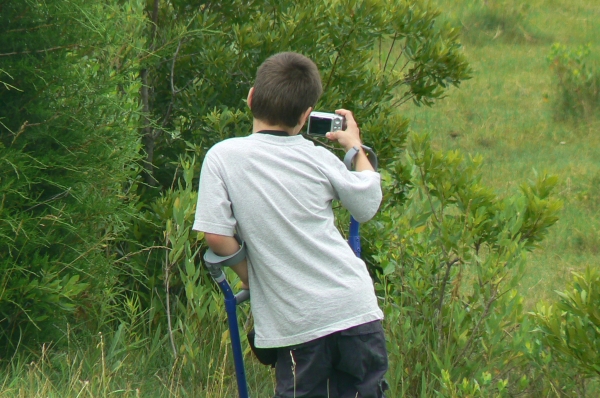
(320, 123)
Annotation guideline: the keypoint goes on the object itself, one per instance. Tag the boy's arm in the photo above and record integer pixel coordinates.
(213, 213)
(361, 161)
(224, 246)
(360, 193)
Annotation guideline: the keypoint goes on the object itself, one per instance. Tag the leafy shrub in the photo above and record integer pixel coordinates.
(373, 56)
(451, 254)
(570, 328)
(186, 310)
(68, 152)
(472, 388)
(577, 81)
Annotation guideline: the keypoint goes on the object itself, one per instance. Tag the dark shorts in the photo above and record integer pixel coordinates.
(347, 364)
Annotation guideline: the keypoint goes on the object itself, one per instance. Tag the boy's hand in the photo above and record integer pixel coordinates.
(350, 138)
(346, 138)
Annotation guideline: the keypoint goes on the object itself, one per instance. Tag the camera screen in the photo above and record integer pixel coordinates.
(319, 125)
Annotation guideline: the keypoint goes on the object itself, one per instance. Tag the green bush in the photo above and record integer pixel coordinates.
(373, 55)
(577, 81)
(451, 253)
(68, 153)
(570, 328)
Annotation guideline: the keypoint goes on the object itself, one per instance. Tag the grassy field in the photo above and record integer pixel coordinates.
(506, 114)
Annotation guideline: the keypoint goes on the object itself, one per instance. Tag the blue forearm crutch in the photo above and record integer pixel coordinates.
(215, 266)
(354, 237)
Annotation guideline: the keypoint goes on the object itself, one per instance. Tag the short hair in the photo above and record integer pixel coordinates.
(286, 85)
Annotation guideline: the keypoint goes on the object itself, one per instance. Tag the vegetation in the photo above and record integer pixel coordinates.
(110, 109)
(510, 114)
(69, 150)
(498, 20)
(572, 328)
(452, 254)
(506, 114)
(578, 81)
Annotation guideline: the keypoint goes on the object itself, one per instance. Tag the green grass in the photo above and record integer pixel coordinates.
(506, 114)
(89, 371)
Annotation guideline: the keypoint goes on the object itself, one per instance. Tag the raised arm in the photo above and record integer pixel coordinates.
(360, 191)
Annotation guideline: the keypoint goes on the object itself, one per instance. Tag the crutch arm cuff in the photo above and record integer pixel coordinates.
(213, 259)
(351, 154)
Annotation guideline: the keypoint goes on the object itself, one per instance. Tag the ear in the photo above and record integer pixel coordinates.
(302, 120)
(249, 99)
(305, 116)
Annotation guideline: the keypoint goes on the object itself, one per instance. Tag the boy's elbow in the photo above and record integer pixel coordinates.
(368, 211)
(363, 216)
(214, 240)
(222, 245)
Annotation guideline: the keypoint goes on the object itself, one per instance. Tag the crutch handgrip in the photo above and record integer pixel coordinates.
(242, 296)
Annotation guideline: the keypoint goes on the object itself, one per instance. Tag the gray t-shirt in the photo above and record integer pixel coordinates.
(277, 193)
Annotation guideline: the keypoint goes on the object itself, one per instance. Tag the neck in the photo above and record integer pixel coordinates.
(259, 125)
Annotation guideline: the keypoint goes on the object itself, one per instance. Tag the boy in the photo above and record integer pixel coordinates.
(312, 298)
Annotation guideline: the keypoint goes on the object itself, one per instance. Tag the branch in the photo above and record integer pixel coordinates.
(529, 233)
(379, 53)
(337, 58)
(27, 124)
(398, 59)
(148, 137)
(449, 264)
(441, 297)
(120, 260)
(407, 80)
(401, 102)
(476, 328)
(429, 199)
(40, 51)
(173, 67)
(330, 147)
(154, 23)
(53, 198)
(150, 133)
(168, 302)
(29, 29)
(173, 90)
(390, 52)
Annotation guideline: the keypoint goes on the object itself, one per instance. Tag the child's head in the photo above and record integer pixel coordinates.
(286, 85)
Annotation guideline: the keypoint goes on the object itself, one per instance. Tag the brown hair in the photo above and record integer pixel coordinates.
(286, 85)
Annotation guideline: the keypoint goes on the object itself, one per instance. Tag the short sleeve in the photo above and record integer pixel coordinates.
(213, 210)
(359, 192)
